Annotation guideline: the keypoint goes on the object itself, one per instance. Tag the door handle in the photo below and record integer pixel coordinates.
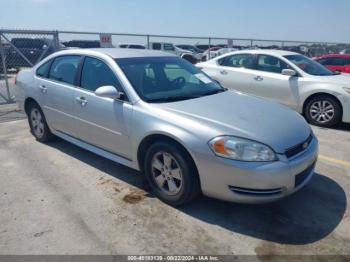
(81, 100)
(223, 72)
(43, 88)
(259, 78)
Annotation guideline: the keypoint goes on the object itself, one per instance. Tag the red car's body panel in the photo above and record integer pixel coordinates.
(335, 62)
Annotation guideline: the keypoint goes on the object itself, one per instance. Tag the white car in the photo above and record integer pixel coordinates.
(321, 95)
(171, 48)
(212, 54)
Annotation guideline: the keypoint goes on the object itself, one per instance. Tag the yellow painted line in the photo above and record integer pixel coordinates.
(334, 160)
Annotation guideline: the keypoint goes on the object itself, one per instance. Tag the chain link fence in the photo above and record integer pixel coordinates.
(24, 48)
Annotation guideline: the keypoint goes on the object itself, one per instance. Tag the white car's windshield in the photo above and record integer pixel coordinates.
(309, 66)
(164, 79)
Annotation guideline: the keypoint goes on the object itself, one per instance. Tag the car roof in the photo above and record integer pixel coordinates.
(335, 55)
(117, 52)
(268, 52)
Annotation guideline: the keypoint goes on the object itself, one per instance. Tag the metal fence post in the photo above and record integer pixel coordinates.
(56, 40)
(4, 68)
(148, 43)
(209, 48)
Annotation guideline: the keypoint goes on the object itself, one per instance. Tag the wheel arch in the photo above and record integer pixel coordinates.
(27, 102)
(152, 138)
(324, 94)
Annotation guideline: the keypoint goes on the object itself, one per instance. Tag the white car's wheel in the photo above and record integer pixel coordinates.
(323, 110)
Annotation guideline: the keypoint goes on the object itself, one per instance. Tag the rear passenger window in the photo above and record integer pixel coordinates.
(332, 61)
(64, 69)
(336, 61)
(346, 61)
(96, 73)
(239, 60)
(43, 69)
(324, 61)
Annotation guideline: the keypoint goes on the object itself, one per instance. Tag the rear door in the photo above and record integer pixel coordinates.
(268, 81)
(58, 90)
(41, 82)
(101, 122)
(234, 72)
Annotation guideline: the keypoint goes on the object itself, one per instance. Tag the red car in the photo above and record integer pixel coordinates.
(335, 62)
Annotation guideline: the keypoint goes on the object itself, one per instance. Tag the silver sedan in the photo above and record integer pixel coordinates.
(157, 113)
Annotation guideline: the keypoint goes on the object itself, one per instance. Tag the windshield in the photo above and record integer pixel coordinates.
(164, 79)
(309, 66)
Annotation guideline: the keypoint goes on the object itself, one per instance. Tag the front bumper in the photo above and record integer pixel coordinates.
(256, 182)
(345, 101)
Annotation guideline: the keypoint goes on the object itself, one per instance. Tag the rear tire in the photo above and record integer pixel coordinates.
(171, 173)
(323, 110)
(37, 122)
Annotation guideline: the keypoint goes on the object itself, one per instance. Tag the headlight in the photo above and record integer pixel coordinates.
(347, 89)
(241, 149)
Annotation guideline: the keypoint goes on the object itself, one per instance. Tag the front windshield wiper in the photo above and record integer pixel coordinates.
(213, 92)
(332, 74)
(184, 97)
(170, 99)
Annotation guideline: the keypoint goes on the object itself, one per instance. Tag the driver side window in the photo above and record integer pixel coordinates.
(96, 73)
(271, 64)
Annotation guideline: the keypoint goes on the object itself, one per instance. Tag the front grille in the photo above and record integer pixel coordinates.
(299, 147)
(302, 176)
(255, 192)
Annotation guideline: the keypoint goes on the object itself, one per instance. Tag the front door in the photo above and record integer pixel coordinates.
(270, 83)
(101, 122)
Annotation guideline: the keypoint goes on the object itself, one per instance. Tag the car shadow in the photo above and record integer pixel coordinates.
(341, 127)
(302, 218)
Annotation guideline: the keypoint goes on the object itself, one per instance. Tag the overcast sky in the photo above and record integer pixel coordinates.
(308, 20)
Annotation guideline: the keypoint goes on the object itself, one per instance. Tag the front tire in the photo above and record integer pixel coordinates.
(171, 173)
(37, 122)
(323, 110)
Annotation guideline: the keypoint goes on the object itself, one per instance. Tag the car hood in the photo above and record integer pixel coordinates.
(341, 79)
(237, 114)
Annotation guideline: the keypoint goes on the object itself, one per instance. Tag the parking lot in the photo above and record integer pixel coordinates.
(59, 199)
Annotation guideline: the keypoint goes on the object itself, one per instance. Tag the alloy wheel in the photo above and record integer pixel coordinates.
(322, 111)
(167, 173)
(37, 122)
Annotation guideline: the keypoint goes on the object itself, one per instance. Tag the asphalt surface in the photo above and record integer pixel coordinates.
(56, 198)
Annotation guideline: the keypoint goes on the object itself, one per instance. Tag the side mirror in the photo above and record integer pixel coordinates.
(109, 92)
(289, 72)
